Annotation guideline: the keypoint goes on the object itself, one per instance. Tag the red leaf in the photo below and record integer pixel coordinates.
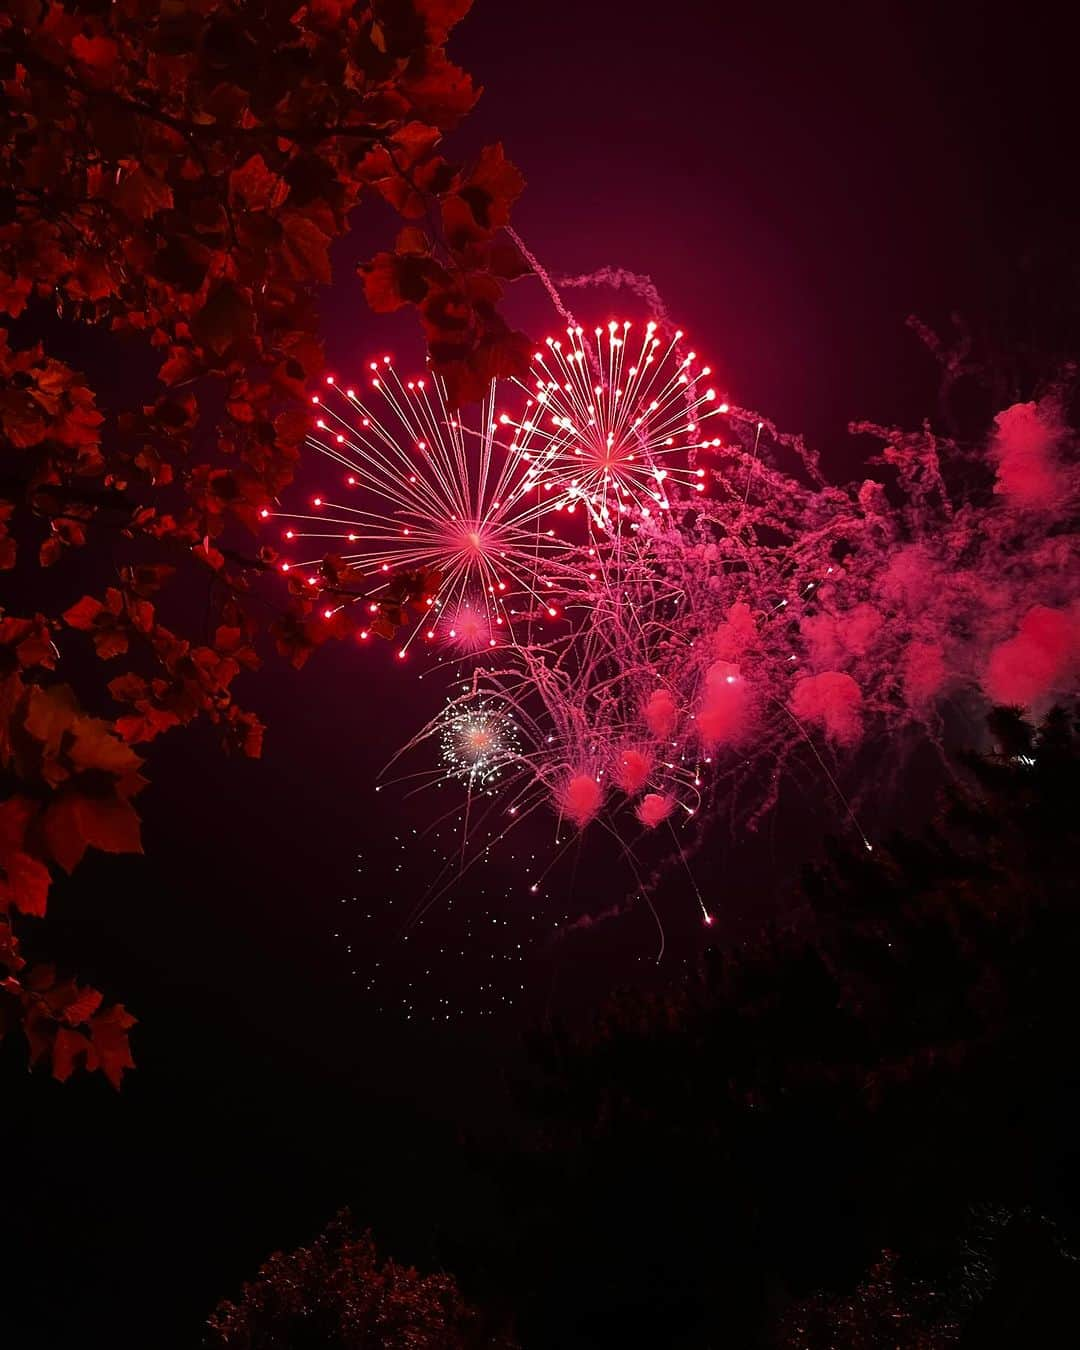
(145, 725)
(306, 250)
(140, 195)
(51, 551)
(255, 186)
(49, 714)
(440, 92)
(74, 821)
(31, 640)
(392, 280)
(381, 286)
(15, 815)
(208, 554)
(109, 1034)
(181, 365)
(83, 614)
(491, 189)
(245, 731)
(127, 688)
(440, 16)
(27, 884)
(82, 1007)
(506, 260)
(96, 747)
(99, 57)
(68, 1047)
(226, 318)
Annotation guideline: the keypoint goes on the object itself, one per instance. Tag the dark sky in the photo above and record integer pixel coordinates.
(796, 180)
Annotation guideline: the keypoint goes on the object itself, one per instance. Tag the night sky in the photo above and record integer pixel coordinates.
(796, 180)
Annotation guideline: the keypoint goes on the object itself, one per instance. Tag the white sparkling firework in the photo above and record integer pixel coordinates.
(615, 422)
(479, 739)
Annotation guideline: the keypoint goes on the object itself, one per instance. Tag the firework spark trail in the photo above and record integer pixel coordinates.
(544, 277)
(618, 278)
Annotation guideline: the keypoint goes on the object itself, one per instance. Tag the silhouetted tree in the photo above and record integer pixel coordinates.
(337, 1295)
(848, 1085)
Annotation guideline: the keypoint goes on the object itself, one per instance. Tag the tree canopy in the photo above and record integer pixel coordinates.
(175, 176)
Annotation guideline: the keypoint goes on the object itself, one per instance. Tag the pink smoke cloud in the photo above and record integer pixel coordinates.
(1039, 660)
(1029, 475)
(833, 641)
(724, 712)
(832, 700)
(923, 672)
(736, 633)
(661, 714)
(910, 579)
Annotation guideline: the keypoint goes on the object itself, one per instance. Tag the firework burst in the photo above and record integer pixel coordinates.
(615, 423)
(420, 488)
(479, 739)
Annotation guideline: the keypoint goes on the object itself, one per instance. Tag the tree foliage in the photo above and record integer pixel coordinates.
(337, 1295)
(1011, 1281)
(176, 175)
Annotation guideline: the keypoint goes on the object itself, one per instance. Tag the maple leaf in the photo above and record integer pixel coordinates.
(109, 1037)
(227, 318)
(50, 715)
(482, 204)
(106, 622)
(256, 187)
(99, 57)
(440, 92)
(26, 881)
(504, 259)
(15, 815)
(68, 1048)
(74, 822)
(181, 365)
(244, 731)
(94, 746)
(440, 16)
(148, 723)
(83, 1006)
(51, 551)
(128, 688)
(84, 614)
(22, 419)
(140, 195)
(383, 287)
(295, 638)
(26, 885)
(306, 249)
(206, 553)
(14, 293)
(502, 355)
(31, 641)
